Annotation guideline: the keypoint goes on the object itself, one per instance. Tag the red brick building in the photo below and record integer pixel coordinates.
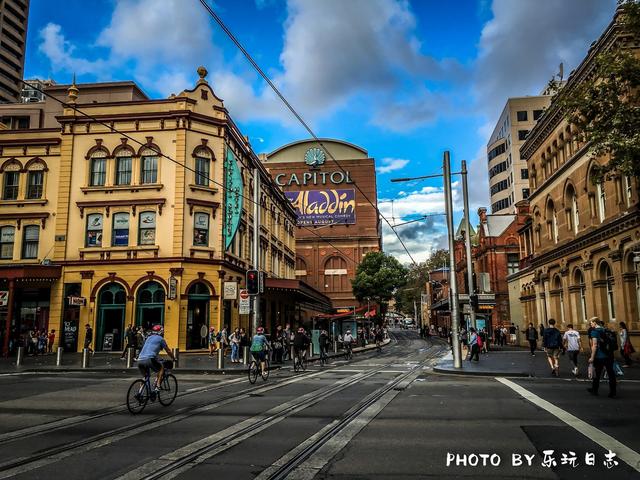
(495, 255)
(345, 226)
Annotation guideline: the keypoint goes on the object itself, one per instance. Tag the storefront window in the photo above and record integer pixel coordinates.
(201, 230)
(94, 230)
(7, 238)
(147, 228)
(30, 241)
(120, 234)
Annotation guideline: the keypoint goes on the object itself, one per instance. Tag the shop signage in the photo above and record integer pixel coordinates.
(233, 197)
(70, 335)
(77, 301)
(173, 288)
(245, 302)
(4, 298)
(261, 282)
(314, 178)
(230, 290)
(107, 342)
(323, 207)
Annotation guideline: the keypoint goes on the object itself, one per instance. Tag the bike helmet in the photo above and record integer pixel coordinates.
(260, 330)
(348, 331)
(301, 330)
(157, 328)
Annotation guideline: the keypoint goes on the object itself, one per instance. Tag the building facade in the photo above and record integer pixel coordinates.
(14, 15)
(336, 224)
(580, 250)
(508, 172)
(98, 227)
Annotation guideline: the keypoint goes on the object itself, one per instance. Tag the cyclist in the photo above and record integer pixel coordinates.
(379, 337)
(259, 348)
(324, 345)
(300, 344)
(347, 340)
(148, 357)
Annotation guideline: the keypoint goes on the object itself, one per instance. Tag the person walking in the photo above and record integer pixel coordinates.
(51, 338)
(473, 345)
(212, 341)
(571, 341)
(484, 337)
(626, 349)
(234, 338)
(552, 343)
(323, 341)
(278, 345)
(88, 337)
(603, 345)
(532, 337)
(130, 341)
(541, 330)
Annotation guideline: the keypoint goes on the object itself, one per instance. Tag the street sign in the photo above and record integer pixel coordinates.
(77, 301)
(245, 303)
(230, 290)
(261, 282)
(4, 298)
(173, 288)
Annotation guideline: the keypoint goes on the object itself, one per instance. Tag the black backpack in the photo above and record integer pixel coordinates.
(608, 342)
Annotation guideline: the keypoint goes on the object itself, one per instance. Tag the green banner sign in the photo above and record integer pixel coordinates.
(233, 197)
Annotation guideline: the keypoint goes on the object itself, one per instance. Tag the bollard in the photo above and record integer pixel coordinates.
(85, 358)
(310, 352)
(220, 359)
(130, 356)
(335, 346)
(59, 356)
(293, 354)
(245, 355)
(176, 355)
(20, 356)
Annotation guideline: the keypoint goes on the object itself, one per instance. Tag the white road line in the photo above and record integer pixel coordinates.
(626, 454)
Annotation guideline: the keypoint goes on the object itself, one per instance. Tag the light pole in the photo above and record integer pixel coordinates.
(467, 243)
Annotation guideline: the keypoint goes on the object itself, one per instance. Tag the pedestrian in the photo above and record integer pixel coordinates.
(130, 341)
(626, 349)
(88, 337)
(223, 340)
(212, 341)
(603, 345)
(552, 343)
(323, 342)
(139, 334)
(42, 342)
(483, 340)
(278, 345)
(505, 334)
(473, 344)
(571, 341)
(532, 337)
(541, 329)
(512, 334)
(234, 338)
(51, 338)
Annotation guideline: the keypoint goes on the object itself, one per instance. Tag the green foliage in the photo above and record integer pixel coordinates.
(378, 277)
(417, 278)
(606, 106)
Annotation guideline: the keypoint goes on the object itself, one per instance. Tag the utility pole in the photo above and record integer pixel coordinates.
(453, 289)
(467, 243)
(256, 245)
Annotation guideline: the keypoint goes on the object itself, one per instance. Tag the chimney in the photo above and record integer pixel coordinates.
(482, 214)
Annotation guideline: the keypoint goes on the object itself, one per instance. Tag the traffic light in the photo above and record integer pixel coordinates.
(253, 283)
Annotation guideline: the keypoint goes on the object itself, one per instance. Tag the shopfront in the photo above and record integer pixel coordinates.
(198, 316)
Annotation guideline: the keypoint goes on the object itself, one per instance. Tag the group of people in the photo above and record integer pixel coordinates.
(222, 341)
(38, 341)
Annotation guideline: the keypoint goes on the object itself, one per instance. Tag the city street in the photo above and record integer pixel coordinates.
(382, 415)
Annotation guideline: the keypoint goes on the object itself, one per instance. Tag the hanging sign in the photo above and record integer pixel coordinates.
(233, 197)
(173, 288)
(4, 298)
(230, 290)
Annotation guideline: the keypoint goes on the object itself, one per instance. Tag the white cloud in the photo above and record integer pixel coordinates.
(61, 53)
(391, 164)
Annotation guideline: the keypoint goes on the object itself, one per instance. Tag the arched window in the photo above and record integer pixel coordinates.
(123, 166)
(573, 217)
(150, 305)
(7, 239)
(552, 222)
(581, 301)
(148, 166)
(98, 175)
(335, 275)
(35, 179)
(606, 275)
(301, 269)
(202, 166)
(557, 286)
(601, 198)
(11, 182)
(30, 239)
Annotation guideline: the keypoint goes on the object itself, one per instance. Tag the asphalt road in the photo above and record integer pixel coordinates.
(382, 415)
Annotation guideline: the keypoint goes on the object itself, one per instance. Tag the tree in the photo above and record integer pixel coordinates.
(417, 278)
(378, 277)
(605, 107)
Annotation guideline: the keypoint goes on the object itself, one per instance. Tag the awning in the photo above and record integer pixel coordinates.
(343, 315)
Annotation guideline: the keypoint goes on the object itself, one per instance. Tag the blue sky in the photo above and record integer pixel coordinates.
(404, 79)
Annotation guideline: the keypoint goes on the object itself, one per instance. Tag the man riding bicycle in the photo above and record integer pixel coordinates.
(300, 344)
(259, 348)
(347, 340)
(148, 357)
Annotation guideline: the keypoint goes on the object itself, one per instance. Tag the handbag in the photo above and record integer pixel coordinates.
(628, 349)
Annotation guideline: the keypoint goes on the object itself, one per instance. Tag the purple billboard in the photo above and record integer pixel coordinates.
(324, 207)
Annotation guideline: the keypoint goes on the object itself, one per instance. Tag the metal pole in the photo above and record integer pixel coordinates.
(256, 245)
(85, 358)
(467, 241)
(20, 356)
(245, 355)
(59, 356)
(453, 289)
(220, 359)
(130, 356)
(176, 355)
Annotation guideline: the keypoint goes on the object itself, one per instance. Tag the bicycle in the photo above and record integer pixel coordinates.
(300, 362)
(255, 369)
(140, 391)
(348, 353)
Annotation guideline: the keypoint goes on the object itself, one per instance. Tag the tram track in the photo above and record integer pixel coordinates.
(59, 452)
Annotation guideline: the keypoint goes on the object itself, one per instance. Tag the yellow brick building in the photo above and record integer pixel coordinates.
(98, 227)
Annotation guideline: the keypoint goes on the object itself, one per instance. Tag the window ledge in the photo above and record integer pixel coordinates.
(195, 250)
(105, 253)
(203, 188)
(25, 202)
(122, 188)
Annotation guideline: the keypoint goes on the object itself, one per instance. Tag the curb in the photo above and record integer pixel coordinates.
(453, 371)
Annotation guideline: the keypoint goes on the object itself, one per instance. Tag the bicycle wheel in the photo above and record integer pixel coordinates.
(265, 373)
(168, 390)
(253, 372)
(137, 396)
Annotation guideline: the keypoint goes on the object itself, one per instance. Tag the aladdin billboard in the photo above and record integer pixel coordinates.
(324, 207)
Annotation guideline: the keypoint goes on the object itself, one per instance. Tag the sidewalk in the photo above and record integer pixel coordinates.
(520, 363)
(197, 363)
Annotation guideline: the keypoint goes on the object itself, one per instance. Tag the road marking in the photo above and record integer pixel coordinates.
(626, 454)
